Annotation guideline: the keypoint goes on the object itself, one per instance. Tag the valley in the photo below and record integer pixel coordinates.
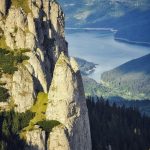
(129, 18)
(101, 48)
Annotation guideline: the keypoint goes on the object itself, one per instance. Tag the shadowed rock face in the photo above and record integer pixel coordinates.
(36, 139)
(38, 26)
(4, 6)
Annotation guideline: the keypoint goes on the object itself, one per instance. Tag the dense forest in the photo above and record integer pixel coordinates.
(112, 127)
(11, 123)
(117, 128)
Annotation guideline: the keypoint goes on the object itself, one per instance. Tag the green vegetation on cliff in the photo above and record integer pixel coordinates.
(2, 40)
(10, 59)
(23, 4)
(4, 95)
(8, 65)
(11, 123)
(48, 125)
(39, 108)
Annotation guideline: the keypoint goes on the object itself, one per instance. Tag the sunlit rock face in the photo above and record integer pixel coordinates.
(36, 139)
(37, 27)
(68, 106)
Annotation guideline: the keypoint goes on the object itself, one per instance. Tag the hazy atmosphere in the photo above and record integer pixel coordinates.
(101, 48)
(74, 74)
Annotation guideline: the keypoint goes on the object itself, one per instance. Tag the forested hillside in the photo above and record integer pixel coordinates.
(117, 128)
(129, 18)
(131, 80)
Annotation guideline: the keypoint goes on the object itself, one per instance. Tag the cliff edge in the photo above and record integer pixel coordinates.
(34, 61)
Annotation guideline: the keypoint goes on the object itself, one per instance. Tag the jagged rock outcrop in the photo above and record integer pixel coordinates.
(37, 28)
(68, 106)
(35, 139)
(23, 89)
(58, 139)
(3, 6)
(37, 25)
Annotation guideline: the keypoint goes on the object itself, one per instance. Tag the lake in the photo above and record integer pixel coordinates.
(99, 46)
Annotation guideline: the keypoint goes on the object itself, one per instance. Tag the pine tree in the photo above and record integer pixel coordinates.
(5, 128)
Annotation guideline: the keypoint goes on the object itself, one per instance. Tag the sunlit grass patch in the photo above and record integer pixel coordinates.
(23, 4)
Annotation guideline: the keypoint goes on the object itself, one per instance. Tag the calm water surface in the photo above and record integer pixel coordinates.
(101, 48)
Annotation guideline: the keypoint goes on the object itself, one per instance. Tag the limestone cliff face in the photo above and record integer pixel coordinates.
(38, 26)
(36, 139)
(68, 106)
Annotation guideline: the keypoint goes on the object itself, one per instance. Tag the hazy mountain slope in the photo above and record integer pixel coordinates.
(130, 18)
(131, 80)
(89, 12)
(86, 67)
(134, 27)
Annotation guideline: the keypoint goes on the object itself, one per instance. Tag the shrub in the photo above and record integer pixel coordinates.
(9, 60)
(4, 95)
(8, 64)
(23, 4)
(48, 125)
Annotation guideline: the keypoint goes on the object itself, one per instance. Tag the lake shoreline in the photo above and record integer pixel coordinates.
(124, 40)
(119, 39)
(100, 47)
(93, 29)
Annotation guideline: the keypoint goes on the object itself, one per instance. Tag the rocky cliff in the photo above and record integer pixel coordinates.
(39, 27)
(68, 106)
(36, 29)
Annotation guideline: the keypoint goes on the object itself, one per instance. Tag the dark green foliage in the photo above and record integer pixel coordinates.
(3, 94)
(11, 124)
(48, 125)
(9, 60)
(142, 105)
(8, 64)
(117, 127)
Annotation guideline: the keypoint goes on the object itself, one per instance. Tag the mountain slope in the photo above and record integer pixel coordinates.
(87, 12)
(86, 67)
(130, 18)
(117, 128)
(131, 80)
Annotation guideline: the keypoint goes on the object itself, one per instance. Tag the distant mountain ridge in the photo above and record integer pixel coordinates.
(89, 12)
(130, 18)
(124, 85)
(131, 80)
